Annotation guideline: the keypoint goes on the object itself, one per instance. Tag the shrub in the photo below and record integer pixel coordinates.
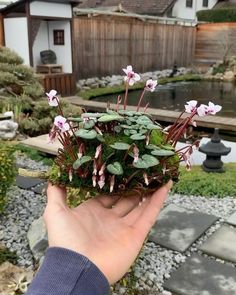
(7, 255)
(199, 183)
(7, 172)
(217, 15)
(9, 56)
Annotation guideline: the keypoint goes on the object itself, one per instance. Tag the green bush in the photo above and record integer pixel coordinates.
(7, 172)
(220, 69)
(199, 183)
(10, 57)
(220, 15)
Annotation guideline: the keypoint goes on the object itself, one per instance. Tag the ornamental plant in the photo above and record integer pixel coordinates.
(119, 150)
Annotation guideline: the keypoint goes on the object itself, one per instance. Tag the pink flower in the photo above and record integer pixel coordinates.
(131, 77)
(145, 176)
(81, 150)
(94, 179)
(151, 85)
(202, 110)
(101, 181)
(95, 168)
(52, 98)
(136, 154)
(102, 169)
(70, 175)
(60, 122)
(213, 108)
(112, 183)
(98, 151)
(191, 106)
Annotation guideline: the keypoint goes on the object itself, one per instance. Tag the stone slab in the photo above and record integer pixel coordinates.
(222, 244)
(232, 219)
(40, 189)
(177, 228)
(202, 276)
(28, 182)
(41, 144)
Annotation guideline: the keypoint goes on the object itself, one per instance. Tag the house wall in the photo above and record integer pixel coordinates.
(50, 9)
(41, 42)
(180, 10)
(63, 52)
(17, 40)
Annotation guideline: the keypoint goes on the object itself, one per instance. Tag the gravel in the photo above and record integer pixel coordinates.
(155, 263)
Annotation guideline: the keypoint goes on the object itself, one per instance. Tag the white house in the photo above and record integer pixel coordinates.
(187, 9)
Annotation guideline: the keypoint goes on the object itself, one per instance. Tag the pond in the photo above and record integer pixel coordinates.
(173, 96)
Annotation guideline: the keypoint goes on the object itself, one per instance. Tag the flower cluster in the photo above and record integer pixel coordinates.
(121, 150)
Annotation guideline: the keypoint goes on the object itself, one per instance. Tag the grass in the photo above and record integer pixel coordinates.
(91, 93)
(199, 183)
(6, 255)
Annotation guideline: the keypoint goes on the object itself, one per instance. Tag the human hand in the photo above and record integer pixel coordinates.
(108, 230)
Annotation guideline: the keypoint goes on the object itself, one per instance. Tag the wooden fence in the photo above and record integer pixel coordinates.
(64, 83)
(214, 42)
(103, 45)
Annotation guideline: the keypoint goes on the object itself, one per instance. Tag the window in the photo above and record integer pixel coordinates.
(58, 37)
(189, 3)
(205, 3)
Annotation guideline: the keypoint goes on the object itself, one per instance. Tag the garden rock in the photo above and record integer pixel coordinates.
(12, 275)
(228, 76)
(8, 129)
(37, 237)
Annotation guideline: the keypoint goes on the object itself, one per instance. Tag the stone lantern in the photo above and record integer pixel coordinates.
(214, 149)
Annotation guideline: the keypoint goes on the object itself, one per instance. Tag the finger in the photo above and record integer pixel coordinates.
(126, 204)
(56, 195)
(145, 216)
(107, 201)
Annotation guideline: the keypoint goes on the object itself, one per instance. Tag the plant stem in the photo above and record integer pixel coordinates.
(126, 94)
(140, 100)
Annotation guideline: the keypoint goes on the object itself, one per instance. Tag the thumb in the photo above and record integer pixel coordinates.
(56, 195)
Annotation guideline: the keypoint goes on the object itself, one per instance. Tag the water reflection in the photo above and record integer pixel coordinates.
(173, 96)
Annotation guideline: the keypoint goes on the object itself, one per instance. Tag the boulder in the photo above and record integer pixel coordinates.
(8, 129)
(37, 237)
(14, 278)
(229, 76)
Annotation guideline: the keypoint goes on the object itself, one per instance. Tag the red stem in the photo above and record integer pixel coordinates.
(140, 100)
(126, 94)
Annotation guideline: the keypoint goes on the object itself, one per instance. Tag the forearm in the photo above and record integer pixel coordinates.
(66, 272)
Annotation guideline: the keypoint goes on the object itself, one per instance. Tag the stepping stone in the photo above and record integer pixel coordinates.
(202, 276)
(177, 228)
(232, 219)
(27, 182)
(39, 189)
(222, 244)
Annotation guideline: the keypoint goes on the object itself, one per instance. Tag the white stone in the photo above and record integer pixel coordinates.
(8, 129)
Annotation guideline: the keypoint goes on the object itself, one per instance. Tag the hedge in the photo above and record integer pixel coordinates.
(217, 15)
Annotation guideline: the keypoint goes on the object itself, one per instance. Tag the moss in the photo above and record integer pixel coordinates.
(199, 183)
(91, 93)
(7, 255)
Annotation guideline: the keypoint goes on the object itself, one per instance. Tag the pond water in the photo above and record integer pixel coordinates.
(173, 96)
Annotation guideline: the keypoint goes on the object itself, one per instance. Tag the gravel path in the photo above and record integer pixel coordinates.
(155, 262)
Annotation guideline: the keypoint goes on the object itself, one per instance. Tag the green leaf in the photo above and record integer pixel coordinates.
(92, 115)
(138, 136)
(153, 126)
(142, 131)
(167, 147)
(89, 124)
(86, 134)
(115, 168)
(146, 161)
(120, 146)
(162, 153)
(81, 161)
(127, 113)
(133, 131)
(152, 147)
(117, 129)
(126, 126)
(127, 132)
(75, 119)
(109, 118)
(111, 112)
(100, 138)
(144, 120)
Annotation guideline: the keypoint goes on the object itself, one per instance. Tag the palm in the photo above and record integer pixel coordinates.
(108, 230)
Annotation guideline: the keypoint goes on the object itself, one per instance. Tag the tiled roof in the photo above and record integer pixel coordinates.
(225, 4)
(152, 7)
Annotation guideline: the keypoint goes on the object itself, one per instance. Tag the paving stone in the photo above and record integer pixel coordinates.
(27, 182)
(202, 276)
(222, 244)
(39, 189)
(177, 228)
(232, 219)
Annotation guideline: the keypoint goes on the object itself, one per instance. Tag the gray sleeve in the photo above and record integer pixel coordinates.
(65, 272)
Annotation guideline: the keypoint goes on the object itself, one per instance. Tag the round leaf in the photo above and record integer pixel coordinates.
(146, 161)
(127, 132)
(92, 115)
(162, 153)
(75, 119)
(117, 129)
(89, 124)
(81, 161)
(127, 113)
(120, 146)
(152, 147)
(115, 168)
(109, 118)
(86, 134)
(100, 138)
(153, 126)
(138, 136)
(167, 147)
(144, 120)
